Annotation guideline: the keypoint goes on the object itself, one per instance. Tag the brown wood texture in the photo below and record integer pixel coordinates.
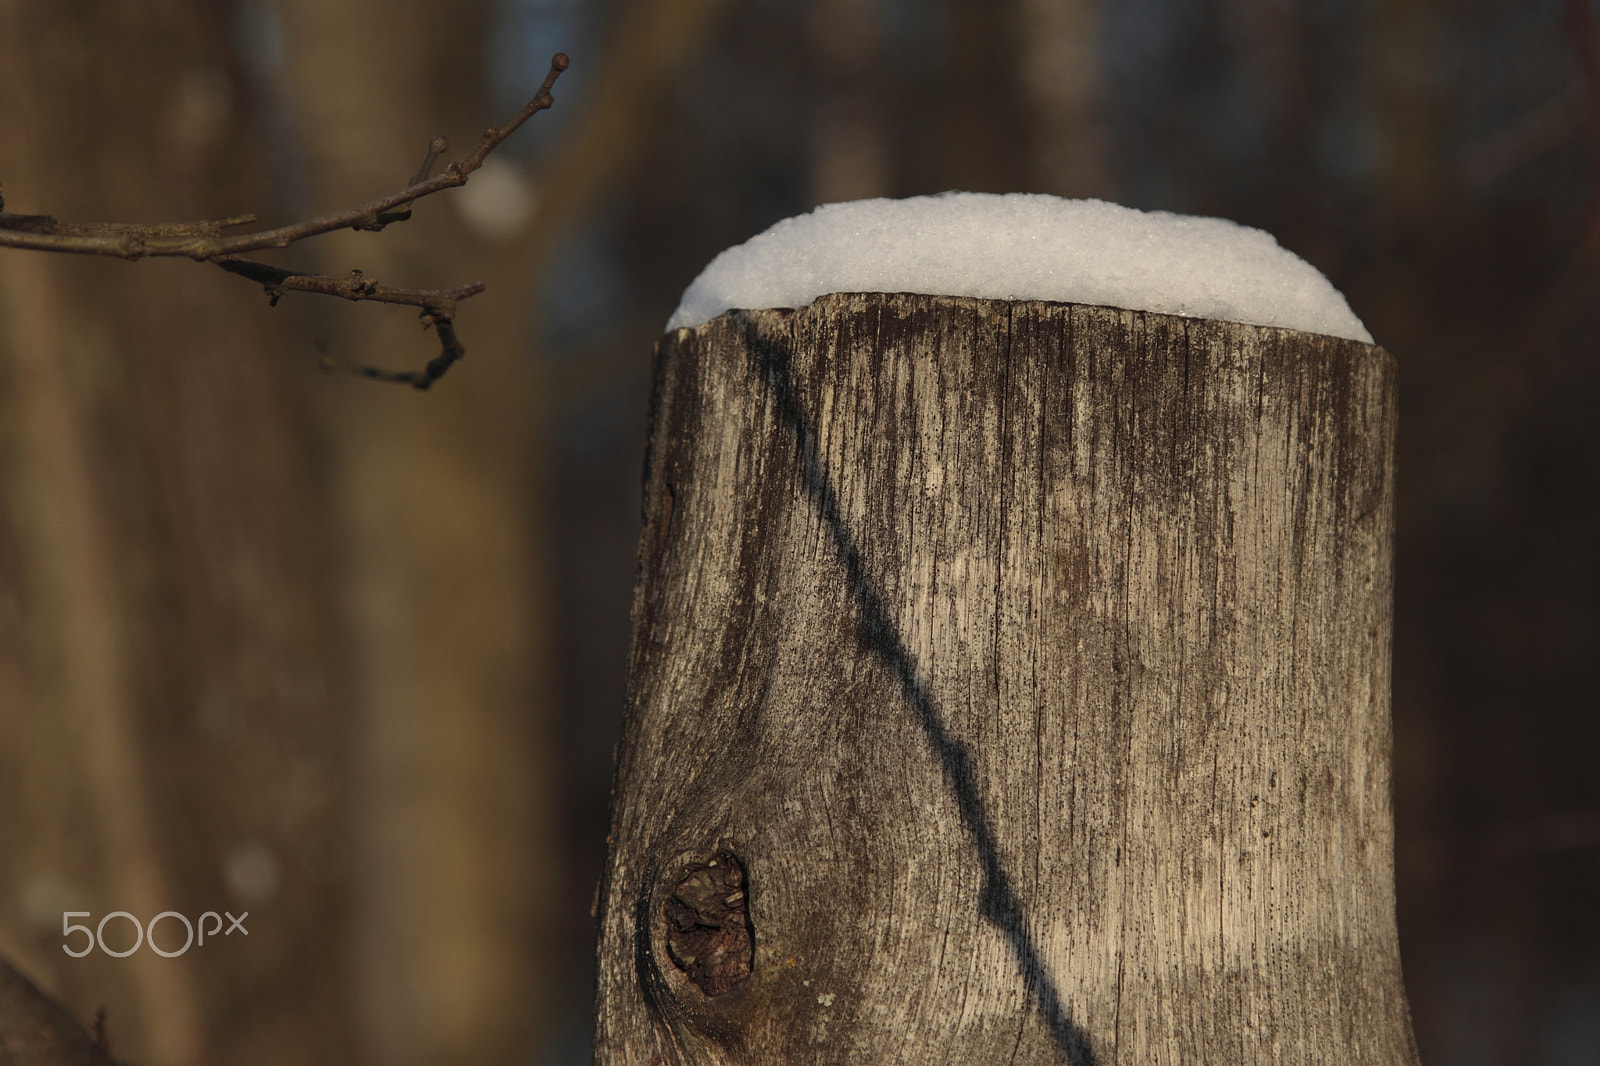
(1032, 661)
(172, 667)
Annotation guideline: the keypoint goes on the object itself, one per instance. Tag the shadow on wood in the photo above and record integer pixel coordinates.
(997, 903)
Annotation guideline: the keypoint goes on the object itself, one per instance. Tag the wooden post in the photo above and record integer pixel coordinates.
(1010, 684)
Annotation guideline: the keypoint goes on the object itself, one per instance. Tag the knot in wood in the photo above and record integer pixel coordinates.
(709, 935)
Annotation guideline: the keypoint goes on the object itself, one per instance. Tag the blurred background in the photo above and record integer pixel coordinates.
(350, 657)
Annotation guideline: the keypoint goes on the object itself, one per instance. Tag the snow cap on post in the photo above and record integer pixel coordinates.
(1024, 246)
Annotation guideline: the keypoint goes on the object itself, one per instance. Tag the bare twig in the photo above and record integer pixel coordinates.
(352, 286)
(450, 349)
(206, 241)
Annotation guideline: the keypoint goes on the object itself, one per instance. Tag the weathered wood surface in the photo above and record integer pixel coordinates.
(1030, 663)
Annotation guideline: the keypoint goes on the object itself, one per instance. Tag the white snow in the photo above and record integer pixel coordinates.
(1024, 246)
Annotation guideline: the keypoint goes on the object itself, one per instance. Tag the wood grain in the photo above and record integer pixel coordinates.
(1033, 661)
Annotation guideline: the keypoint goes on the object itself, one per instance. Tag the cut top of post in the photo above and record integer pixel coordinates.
(1024, 246)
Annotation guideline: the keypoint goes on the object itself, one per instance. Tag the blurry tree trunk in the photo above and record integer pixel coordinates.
(454, 858)
(169, 732)
(1010, 685)
(1402, 61)
(981, 141)
(654, 42)
(1059, 50)
(849, 139)
(1468, 922)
